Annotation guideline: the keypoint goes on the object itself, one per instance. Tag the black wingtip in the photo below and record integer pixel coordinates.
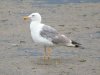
(75, 43)
(77, 46)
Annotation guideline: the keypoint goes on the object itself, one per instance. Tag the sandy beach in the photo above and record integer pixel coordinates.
(20, 56)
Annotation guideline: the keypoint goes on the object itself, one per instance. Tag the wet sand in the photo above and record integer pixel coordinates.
(20, 56)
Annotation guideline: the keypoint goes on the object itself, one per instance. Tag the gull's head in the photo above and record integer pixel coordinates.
(33, 17)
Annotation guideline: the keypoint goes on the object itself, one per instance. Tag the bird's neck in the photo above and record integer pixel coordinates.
(35, 22)
(35, 25)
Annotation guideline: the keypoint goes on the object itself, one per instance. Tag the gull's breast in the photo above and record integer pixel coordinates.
(37, 38)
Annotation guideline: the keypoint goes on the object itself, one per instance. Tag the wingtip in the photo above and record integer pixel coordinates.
(75, 43)
(79, 46)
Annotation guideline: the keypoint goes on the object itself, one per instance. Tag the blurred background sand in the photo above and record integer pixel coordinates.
(79, 20)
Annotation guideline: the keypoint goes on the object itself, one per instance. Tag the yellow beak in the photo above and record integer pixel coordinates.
(26, 17)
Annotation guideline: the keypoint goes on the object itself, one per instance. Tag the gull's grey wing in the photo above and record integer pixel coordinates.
(52, 35)
(48, 32)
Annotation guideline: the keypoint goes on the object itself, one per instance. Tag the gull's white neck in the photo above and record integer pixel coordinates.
(35, 25)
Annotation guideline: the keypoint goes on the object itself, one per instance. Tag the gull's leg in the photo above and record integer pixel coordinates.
(45, 53)
(49, 52)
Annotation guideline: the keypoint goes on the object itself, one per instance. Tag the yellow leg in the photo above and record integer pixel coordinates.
(49, 52)
(45, 53)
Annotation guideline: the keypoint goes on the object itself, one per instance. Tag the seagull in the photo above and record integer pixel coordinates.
(47, 36)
